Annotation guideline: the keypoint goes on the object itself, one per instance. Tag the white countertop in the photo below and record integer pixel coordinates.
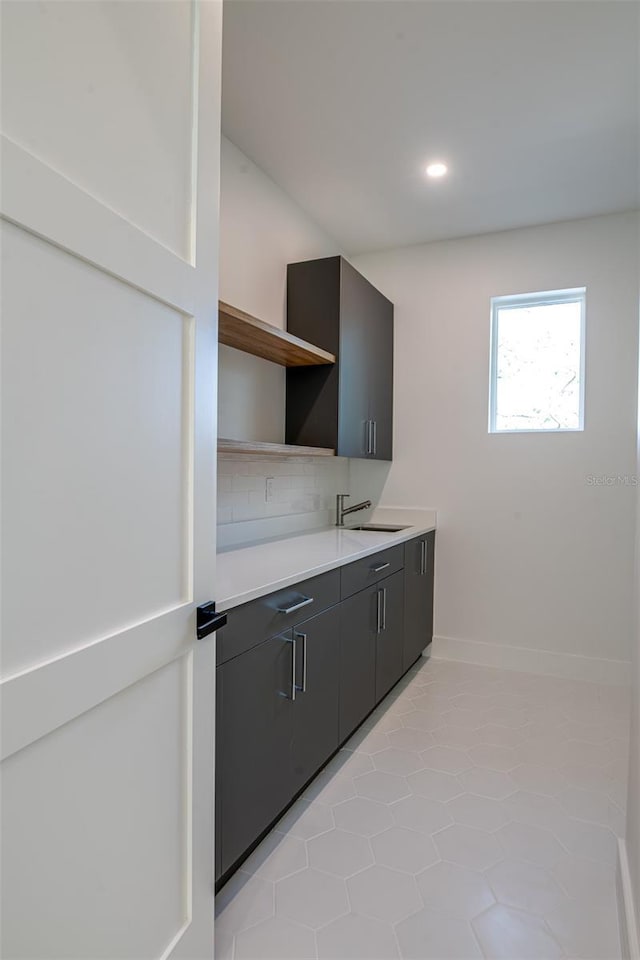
(253, 570)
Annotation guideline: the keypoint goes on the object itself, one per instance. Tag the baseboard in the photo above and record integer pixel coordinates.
(526, 660)
(629, 938)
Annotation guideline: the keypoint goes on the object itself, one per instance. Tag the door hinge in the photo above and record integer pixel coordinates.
(207, 620)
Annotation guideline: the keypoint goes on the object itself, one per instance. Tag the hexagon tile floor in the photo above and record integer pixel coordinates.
(473, 815)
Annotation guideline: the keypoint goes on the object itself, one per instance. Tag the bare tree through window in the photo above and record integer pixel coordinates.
(537, 362)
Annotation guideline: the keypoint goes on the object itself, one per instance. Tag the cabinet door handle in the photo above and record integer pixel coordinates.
(384, 608)
(374, 432)
(303, 637)
(423, 557)
(383, 566)
(207, 620)
(292, 641)
(378, 611)
(297, 606)
(368, 437)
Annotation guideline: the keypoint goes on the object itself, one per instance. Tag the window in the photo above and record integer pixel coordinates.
(537, 362)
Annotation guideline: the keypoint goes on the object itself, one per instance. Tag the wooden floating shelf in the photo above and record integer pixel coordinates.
(244, 332)
(257, 448)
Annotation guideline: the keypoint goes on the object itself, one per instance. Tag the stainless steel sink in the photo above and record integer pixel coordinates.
(380, 527)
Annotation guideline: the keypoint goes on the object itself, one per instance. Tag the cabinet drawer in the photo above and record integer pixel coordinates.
(361, 574)
(259, 619)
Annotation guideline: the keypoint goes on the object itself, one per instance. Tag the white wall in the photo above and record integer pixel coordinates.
(261, 230)
(529, 555)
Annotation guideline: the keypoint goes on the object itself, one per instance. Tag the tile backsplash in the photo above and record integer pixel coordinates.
(251, 489)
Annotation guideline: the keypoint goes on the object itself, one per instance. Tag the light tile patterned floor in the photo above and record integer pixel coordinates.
(474, 815)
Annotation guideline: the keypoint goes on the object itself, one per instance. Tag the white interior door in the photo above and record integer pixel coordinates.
(110, 163)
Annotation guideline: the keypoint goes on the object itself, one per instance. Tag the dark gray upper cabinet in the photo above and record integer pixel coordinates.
(349, 405)
(419, 555)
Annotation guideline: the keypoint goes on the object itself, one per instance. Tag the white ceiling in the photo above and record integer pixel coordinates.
(534, 105)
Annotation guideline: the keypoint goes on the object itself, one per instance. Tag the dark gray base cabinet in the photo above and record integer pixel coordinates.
(315, 728)
(371, 648)
(286, 702)
(253, 762)
(277, 716)
(357, 659)
(389, 639)
(419, 565)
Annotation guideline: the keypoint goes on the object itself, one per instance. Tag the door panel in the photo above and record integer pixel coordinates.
(109, 438)
(253, 764)
(99, 472)
(418, 571)
(114, 780)
(134, 105)
(357, 659)
(316, 734)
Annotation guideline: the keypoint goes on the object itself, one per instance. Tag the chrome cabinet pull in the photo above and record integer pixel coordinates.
(296, 606)
(293, 667)
(303, 637)
(383, 566)
(369, 436)
(423, 557)
(374, 425)
(381, 610)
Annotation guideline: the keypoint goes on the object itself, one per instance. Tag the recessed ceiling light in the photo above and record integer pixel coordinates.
(437, 169)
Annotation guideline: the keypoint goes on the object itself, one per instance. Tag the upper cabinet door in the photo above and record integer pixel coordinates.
(347, 406)
(357, 358)
(379, 323)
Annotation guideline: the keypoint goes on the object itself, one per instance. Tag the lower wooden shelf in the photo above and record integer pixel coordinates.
(258, 448)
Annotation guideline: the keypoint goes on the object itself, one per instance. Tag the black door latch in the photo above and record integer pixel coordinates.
(207, 620)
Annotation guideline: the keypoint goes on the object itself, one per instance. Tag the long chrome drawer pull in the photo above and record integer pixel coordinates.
(293, 668)
(303, 637)
(383, 566)
(296, 606)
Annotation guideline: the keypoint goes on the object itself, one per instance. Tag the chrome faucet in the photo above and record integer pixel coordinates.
(342, 511)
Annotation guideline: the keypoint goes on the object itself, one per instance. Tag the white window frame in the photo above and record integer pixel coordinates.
(547, 298)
